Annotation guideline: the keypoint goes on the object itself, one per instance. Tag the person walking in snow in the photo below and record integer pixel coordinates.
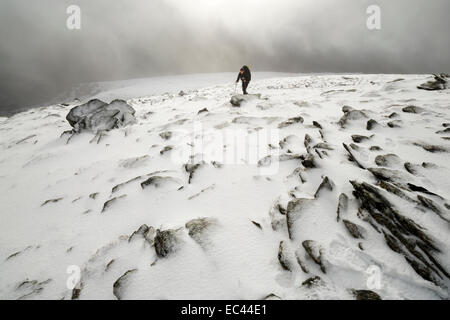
(245, 76)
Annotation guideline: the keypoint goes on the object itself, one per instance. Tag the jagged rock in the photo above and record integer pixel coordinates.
(342, 205)
(51, 201)
(323, 145)
(166, 149)
(315, 251)
(238, 99)
(93, 195)
(429, 165)
(355, 230)
(166, 242)
(307, 141)
(365, 295)
(394, 124)
(431, 148)
(375, 148)
(191, 168)
(282, 258)
(439, 83)
(144, 231)
(97, 115)
(371, 124)
(433, 206)
(350, 114)
(446, 130)
(308, 161)
(387, 160)
(358, 138)
(312, 282)
(197, 228)
(166, 135)
(317, 125)
(326, 183)
(402, 234)
(110, 202)
(258, 225)
(157, 181)
(396, 191)
(119, 284)
(412, 109)
(393, 115)
(202, 110)
(411, 168)
(415, 188)
(387, 174)
(290, 121)
(352, 157)
(272, 296)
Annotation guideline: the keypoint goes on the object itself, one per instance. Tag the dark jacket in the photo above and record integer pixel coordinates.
(247, 76)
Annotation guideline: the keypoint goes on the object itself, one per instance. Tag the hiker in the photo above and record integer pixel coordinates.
(245, 76)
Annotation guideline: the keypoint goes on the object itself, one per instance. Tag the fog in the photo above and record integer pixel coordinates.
(121, 39)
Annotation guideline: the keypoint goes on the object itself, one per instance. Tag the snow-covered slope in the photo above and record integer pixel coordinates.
(268, 225)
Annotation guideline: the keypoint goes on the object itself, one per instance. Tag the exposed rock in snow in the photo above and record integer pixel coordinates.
(439, 83)
(97, 115)
(220, 206)
(238, 99)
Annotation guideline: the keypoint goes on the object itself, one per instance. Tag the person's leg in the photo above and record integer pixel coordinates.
(244, 87)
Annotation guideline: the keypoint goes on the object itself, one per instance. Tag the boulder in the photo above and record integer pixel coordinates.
(238, 99)
(97, 115)
(166, 242)
(439, 83)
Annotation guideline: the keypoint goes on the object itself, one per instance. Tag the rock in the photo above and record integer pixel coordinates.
(256, 224)
(350, 114)
(158, 181)
(238, 99)
(394, 124)
(293, 212)
(387, 174)
(202, 110)
(290, 121)
(308, 161)
(439, 83)
(446, 130)
(165, 149)
(387, 160)
(282, 258)
(191, 168)
(396, 191)
(358, 138)
(166, 242)
(166, 135)
(110, 202)
(433, 206)
(198, 227)
(119, 284)
(371, 124)
(317, 125)
(51, 201)
(148, 233)
(307, 141)
(323, 145)
(181, 93)
(412, 109)
(411, 168)
(315, 251)
(271, 297)
(97, 115)
(365, 295)
(326, 183)
(356, 231)
(431, 148)
(393, 115)
(415, 188)
(375, 148)
(312, 282)
(352, 157)
(342, 205)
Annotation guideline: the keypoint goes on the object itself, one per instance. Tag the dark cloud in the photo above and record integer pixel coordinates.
(40, 58)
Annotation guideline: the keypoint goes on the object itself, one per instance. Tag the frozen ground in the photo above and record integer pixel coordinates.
(268, 225)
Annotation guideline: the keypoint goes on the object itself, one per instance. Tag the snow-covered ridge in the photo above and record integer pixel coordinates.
(358, 200)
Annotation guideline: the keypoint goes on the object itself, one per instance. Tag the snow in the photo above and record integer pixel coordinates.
(237, 260)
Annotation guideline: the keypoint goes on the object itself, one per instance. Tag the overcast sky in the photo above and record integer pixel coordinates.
(122, 39)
